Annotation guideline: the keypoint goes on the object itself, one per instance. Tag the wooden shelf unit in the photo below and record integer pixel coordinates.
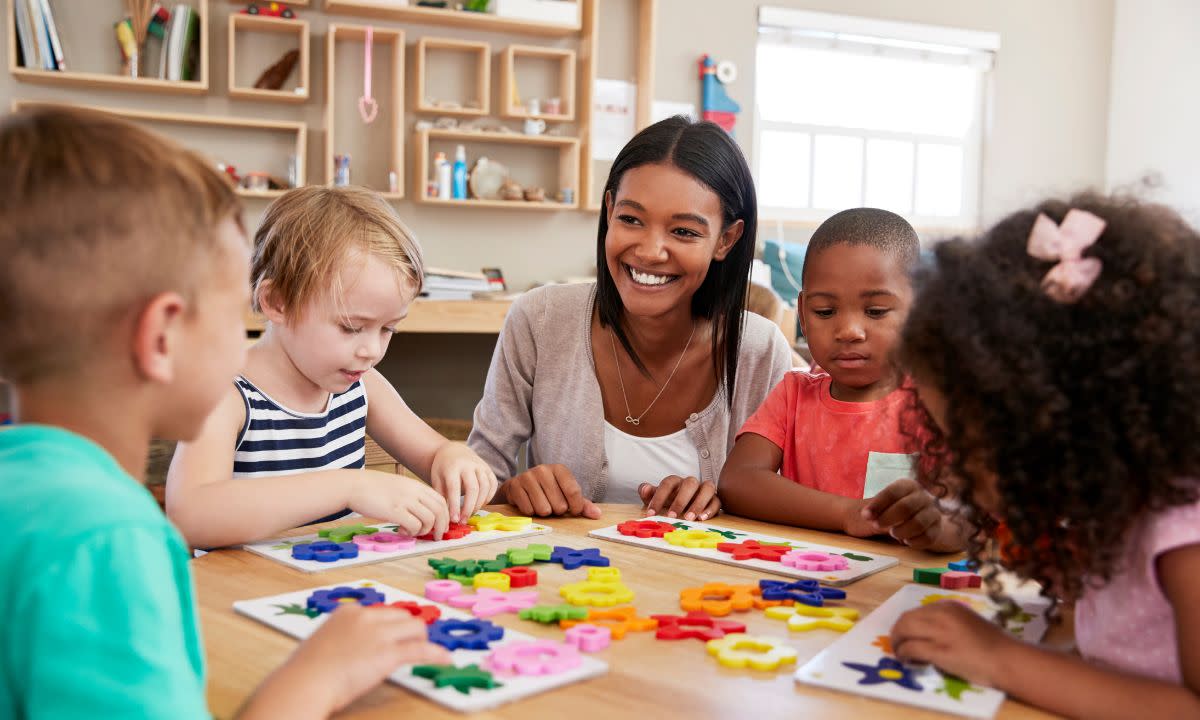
(289, 3)
(387, 10)
(278, 26)
(394, 79)
(483, 75)
(298, 129)
(509, 86)
(105, 81)
(568, 166)
(436, 316)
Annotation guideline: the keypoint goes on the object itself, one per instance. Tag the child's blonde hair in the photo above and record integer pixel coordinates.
(97, 215)
(306, 236)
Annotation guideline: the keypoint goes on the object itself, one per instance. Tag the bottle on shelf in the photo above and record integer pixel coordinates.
(441, 171)
(460, 173)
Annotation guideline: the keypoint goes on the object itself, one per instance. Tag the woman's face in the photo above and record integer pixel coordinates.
(664, 230)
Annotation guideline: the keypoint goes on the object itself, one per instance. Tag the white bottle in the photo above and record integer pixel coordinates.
(443, 175)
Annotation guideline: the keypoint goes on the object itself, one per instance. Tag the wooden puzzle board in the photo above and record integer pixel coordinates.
(285, 613)
(862, 645)
(857, 570)
(280, 549)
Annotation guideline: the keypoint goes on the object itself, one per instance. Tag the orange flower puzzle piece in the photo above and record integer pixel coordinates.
(718, 599)
(618, 620)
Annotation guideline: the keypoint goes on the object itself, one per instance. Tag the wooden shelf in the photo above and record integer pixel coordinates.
(277, 26)
(389, 76)
(512, 106)
(386, 10)
(500, 204)
(260, 194)
(437, 316)
(106, 81)
(513, 138)
(289, 3)
(483, 75)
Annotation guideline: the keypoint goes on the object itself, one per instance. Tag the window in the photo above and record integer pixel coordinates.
(851, 111)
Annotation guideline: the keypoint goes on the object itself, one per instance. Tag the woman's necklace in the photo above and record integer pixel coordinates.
(629, 418)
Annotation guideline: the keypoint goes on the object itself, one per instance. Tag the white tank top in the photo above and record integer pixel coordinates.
(634, 460)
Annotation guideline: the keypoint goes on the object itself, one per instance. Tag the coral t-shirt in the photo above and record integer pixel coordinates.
(831, 445)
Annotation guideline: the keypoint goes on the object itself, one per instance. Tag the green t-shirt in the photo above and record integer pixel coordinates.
(97, 602)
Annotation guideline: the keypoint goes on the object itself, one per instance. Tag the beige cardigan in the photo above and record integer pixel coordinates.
(542, 393)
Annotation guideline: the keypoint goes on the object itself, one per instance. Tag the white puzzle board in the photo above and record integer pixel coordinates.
(862, 645)
(280, 549)
(857, 570)
(284, 612)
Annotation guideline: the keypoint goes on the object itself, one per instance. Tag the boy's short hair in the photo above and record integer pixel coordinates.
(877, 228)
(306, 236)
(97, 215)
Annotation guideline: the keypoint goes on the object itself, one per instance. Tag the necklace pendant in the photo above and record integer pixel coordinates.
(632, 420)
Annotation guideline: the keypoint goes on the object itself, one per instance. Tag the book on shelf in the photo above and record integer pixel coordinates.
(36, 34)
(454, 285)
(54, 44)
(180, 58)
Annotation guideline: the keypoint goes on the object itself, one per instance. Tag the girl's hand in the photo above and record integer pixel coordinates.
(908, 513)
(413, 506)
(855, 522)
(681, 497)
(548, 490)
(457, 469)
(953, 637)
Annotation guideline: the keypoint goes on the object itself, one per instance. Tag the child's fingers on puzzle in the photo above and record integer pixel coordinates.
(888, 497)
(420, 652)
(452, 490)
(901, 508)
(472, 487)
(918, 525)
(436, 505)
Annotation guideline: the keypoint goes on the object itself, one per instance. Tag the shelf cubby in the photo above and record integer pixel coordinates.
(440, 17)
(262, 54)
(473, 58)
(515, 81)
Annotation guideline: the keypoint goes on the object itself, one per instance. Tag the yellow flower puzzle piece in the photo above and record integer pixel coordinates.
(493, 580)
(596, 594)
(604, 574)
(694, 538)
(496, 521)
(740, 650)
(803, 617)
(717, 599)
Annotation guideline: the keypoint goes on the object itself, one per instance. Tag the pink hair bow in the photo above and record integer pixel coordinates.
(1074, 274)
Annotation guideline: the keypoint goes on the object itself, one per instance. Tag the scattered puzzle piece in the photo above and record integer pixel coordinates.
(694, 625)
(977, 605)
(805, 591)
(346, 533)
(384, 542)
(572, 559)
(884, 643)
(462, 679)
(753, 550)
(717, 599)
(645, 528)
(496, 521)
(604, 574)
(813, 560)
(929, 576)
(694, 538)
(802, 618)
(297, 609)
(596, 594)
(488, 602)
(534, 657)
(954, 687)
(494, 580)
(520, 577)
(761, 603)
(325, 551)
(464, 634)
(425, 613)
(553, 613)
(965, 565)
(859, 558)
(589, 638)
(739, 650)
(955, 580)
(888, 670)
(455, 531)
(325, 601)
(527, 555)
(618, 620)
(442, 590)
(445, 567)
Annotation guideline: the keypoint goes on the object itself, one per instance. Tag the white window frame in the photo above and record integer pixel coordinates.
(776, 26)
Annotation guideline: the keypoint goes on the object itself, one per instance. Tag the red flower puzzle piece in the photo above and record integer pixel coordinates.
(456, 531)
(645, 528)
(694, 625)
(425, 613)
(752, 550)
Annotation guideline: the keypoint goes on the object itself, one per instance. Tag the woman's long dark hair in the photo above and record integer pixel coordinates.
(707, 153)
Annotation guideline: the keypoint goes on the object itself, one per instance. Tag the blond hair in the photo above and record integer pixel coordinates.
(97, 215)
(307, 235)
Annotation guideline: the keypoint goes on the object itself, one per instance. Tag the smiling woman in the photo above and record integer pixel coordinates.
(631, 390)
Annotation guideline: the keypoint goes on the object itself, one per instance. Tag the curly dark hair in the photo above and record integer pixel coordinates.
(1086, 414)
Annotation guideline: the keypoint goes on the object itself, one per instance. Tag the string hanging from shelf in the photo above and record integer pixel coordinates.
(367, 107)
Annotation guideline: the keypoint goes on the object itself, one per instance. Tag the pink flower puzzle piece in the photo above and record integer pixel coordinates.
(813, 560)
(384, 542)
(442, 590)
(487, 602)
(536, 657)
(589, 638)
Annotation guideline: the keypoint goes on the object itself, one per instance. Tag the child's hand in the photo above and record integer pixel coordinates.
(413, 506)
(456, 468)
(908, 513)
(953, 637)
(548, 490)
(855, 522)
(355, 649)
(686, 497)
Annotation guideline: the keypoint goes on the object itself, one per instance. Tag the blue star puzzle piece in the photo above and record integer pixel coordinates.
(324, 551)
(572, 559)
(464, 634)
(888, 670)
(325, 601)
(808, 592)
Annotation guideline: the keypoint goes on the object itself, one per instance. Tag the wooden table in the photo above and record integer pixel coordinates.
(647, 677)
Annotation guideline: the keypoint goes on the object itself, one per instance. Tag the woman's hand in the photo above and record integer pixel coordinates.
(681, 497)
(548, 490)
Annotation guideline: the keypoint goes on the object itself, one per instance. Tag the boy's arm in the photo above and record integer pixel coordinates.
(752, 487)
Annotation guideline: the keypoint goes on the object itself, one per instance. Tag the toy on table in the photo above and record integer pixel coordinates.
(808, 592)
(571, 559)
(929, 576)
(521, 576)
(464, 634)
(596, 593)
(269, 9)
(589, 638)
(547, 614)
(462, 679)
(717, 599)
(802, 618)
(535, 657)
(956, 580)
(694, 625)
(760, 653)
(619, 621)
(487, 602)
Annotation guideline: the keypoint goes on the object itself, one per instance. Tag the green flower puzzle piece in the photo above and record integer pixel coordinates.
(347, 532)
(547, 614)
(464, 580)
(449, 567)
(297, 609)
(682, 526)
(860, 558)
(727, 534)
(461, 679)
(954, 687)
(529, 554)
(778, 544)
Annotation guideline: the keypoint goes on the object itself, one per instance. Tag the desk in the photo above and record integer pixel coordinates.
(647, 677)
(481, 317)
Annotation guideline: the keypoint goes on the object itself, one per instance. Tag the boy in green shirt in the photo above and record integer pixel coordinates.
(122, 286)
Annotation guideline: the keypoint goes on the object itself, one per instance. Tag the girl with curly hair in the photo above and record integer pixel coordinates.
(1059, 360)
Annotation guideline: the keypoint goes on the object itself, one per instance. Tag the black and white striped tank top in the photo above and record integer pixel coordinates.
(279, 441)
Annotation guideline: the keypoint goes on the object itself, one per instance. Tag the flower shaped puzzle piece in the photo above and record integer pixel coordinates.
(808, 592)
(761, 653)
(445, 567)
(425, 613)
(814, 560)
(589, 638)
(695, 625)
(384, 542)
(527, 555)
(604, 574)
(488, 602)
(717, 599)
(325, 551)
(547, 614)
(534, 657)
(694, 538)
(572, 559)
(801, 618)
(888, 670)
(462, 679)
(618, 620)
(753, 550)
(520, 576)
(464, 634)
(494, 580)
(326, 601)
(496, 521)
(345, 533)
(455, 531)
(645, 528)
(596, 594)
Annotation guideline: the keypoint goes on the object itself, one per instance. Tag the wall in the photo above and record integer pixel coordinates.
(1155, 111)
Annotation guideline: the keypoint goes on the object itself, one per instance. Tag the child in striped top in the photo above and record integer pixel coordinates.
(334, 271)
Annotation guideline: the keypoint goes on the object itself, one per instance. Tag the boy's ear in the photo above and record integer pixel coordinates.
(156, 337)
(801, 316)
(269, 303)
(729, 238)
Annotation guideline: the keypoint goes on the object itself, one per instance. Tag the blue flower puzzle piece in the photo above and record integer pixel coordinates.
(325, 601)
(464, 634)
(889, 670)
(325, 551)
(572, 559)
(808, 592)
